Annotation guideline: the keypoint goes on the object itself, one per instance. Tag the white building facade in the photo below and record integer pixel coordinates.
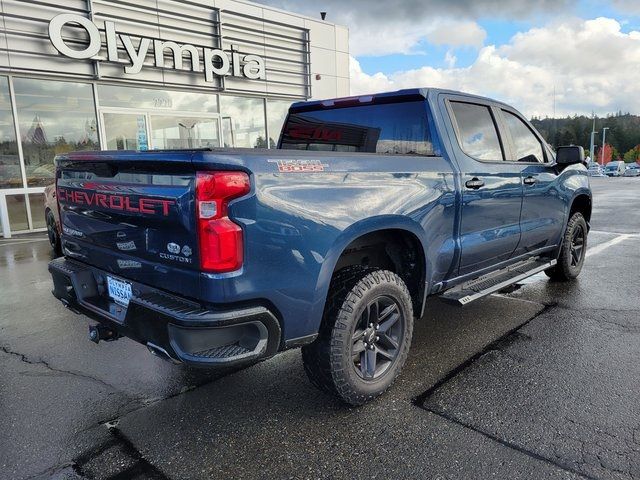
(149, 74)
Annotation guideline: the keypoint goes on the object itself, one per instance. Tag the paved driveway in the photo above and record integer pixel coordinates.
(542, 382)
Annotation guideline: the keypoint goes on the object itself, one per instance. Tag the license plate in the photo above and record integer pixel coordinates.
(119, 291)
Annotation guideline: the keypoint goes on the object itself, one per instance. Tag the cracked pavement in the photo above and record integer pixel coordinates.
(542, 382)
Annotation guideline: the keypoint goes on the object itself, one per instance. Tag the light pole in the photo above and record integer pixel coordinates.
(592, 145)
(604, 136)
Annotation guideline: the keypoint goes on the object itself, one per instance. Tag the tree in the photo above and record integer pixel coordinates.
(615, 154)
(632, 155)
(607, 156)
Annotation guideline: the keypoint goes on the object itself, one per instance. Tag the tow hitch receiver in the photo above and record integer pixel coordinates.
(101, 332)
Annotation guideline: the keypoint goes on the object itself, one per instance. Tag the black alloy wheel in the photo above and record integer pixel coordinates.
(573, 250)
(365, 335)
(376, 339)
(577, 246)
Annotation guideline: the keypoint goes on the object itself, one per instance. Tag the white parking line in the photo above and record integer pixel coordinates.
(590, 251)
(20, 242)
(602, 232)
(603, 246)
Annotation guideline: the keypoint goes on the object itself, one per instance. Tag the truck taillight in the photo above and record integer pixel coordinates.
(220, 239)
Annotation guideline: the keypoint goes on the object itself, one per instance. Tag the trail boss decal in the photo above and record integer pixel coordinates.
(299, 166)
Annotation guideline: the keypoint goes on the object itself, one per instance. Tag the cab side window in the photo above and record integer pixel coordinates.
(527, 146)
(477, 133)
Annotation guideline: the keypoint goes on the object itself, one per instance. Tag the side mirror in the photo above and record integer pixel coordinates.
(570, 155)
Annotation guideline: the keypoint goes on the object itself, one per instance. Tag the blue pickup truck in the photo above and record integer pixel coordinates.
(332, 242)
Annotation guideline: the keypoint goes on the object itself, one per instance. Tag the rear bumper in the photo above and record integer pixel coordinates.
(178, 329)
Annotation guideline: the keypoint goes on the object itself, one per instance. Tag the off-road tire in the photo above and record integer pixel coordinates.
(53, 234)
(329, 360)
(567, 269)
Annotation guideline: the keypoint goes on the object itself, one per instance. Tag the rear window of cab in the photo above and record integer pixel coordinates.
(390, 128)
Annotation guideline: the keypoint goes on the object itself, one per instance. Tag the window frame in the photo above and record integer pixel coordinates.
(505, 147)
(509, 137)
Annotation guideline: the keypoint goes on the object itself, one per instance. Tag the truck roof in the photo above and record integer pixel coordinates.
(384, 97)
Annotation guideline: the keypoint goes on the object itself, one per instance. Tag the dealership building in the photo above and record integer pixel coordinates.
(148, 74)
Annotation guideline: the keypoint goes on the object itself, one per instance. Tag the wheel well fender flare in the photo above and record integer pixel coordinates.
(580, 198)
(353, 232)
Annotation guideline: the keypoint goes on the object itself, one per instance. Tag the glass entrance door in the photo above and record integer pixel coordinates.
(174, 131)
(125, 131)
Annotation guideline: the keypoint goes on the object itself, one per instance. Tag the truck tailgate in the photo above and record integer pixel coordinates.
(132, 214)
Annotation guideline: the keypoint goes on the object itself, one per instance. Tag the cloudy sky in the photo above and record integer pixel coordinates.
(519, 51)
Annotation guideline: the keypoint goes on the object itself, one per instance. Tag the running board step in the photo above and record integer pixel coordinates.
(495, 281)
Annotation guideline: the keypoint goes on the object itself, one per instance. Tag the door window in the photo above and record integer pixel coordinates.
(477, 133)
(243, 122)
(177, 132)
(527, 146)
(125, 131)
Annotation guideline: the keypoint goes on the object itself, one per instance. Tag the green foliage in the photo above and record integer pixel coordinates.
(615, 154)
(623, 134)
(632, 154)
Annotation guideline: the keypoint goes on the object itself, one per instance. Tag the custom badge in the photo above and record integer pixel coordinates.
(299, 166)
(177, 253)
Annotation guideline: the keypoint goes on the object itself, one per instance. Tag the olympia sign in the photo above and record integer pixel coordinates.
(216, 62)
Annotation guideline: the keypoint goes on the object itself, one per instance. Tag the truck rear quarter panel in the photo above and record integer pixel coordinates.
(297, 224)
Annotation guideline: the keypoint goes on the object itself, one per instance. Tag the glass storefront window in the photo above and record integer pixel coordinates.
(55, 117)
(152, 99)
(276, 115)
(170, 131)
(10, 175)
(243, 122)
(17, 209)
(125, 131)
(36, 203)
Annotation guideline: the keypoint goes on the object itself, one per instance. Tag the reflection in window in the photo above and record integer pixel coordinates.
(10, 175)
(243, 122)
(528, 147)
(17, 210)
(55, 117)
(184, 132)
(152, 99)
(125, 131)
(133, 177)
(276, 115)
(392, 128)
(36, 203)
(478, 135)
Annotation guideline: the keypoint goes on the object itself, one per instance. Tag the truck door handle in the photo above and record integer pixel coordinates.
(530, 180)
(475, 183)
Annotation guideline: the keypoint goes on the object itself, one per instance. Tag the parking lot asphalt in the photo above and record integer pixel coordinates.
(541, 382)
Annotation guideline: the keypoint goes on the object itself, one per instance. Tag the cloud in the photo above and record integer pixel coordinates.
(390, 38)
(631, 7)
(380, 27)
(450, 59)
(381, 11)
(591, 64)
(457, 34)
